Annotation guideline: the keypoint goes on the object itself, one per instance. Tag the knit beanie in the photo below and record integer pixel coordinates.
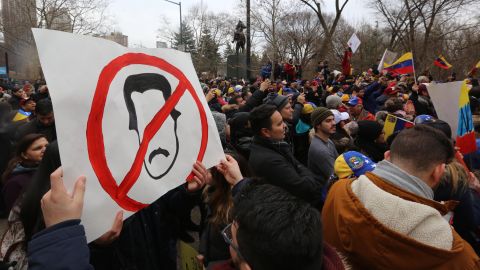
(369, 130)
(277, 100)
(333, 101)
(320, 114)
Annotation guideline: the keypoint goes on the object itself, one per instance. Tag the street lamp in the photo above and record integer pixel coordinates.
(179, 4)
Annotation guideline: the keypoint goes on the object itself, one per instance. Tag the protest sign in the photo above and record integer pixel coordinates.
(452, 105)
(188, 257)
(354, 42)
(133, 121)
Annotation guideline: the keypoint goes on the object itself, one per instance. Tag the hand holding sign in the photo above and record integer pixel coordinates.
(58, 205)
(200, 177)
(110, 236)
(230, 170)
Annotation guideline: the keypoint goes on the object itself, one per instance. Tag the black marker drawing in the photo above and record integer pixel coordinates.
(141, 83)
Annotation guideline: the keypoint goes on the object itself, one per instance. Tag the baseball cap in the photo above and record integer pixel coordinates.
(353, 163)
(340, 116)
(238, 88)
(423, 119)
(354, 101)
(308, 108)
(390, 91)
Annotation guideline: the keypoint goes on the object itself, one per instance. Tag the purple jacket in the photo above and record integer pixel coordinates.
(15, 185)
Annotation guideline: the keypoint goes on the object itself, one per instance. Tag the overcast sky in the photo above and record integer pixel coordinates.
(140, 19)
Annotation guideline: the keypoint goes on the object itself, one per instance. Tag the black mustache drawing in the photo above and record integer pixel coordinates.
(156, 152)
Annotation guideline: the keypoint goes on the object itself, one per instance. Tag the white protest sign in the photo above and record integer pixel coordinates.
(354, 42)
(133, 121)
(445, 97)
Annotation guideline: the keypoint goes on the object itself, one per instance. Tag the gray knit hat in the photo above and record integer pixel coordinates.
(320, 114)
(277, 100)
(333, 101)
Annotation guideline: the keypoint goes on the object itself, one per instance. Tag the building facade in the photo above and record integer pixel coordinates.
(117, 37)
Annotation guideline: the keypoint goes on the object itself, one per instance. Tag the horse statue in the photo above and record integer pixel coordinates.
(239, 37)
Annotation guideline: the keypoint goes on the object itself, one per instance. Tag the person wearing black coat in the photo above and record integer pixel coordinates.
(454, 186)
(271, 157)
(421, 100)
(44, 122)
(147, 240)
(370, 140)
(257, 97)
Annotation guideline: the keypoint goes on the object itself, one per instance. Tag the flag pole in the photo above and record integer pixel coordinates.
(414, 74)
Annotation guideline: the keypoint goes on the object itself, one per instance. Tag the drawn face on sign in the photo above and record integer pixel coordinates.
(161, 155)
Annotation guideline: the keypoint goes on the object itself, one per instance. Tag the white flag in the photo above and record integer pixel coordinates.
(387, 59)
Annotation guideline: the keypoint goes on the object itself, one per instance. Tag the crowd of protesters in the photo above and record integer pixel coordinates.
(309, 182)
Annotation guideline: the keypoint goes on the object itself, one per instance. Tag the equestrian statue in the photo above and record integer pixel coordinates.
(239, 37)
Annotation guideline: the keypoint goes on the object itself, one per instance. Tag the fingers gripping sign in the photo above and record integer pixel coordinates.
(58, 205)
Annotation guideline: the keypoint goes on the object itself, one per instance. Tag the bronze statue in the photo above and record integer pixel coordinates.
(239, 37)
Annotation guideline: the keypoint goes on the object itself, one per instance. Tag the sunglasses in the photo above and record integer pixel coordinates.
(227, 236)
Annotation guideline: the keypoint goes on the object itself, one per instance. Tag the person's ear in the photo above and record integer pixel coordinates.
(436, 175)
(265, 132)
(24, 156)
(386, 155)
(245, 266)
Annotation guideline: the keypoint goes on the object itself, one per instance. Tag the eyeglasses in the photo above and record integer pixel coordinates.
(227, 236)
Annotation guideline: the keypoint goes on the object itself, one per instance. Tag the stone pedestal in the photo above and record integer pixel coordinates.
(237, 66)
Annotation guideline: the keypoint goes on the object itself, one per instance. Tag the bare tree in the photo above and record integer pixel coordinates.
(416, 24)
(438, 12)
(299, 35)
(219, 25)
(266, 19)
(77, 16)
(328, 28)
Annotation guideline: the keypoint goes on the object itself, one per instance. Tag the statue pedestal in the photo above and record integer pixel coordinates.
(237, 66)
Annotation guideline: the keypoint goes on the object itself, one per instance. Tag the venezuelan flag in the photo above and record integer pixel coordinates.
(21, 115)
(394, 124)
(465, 131)
(442, 63)
(403, 65)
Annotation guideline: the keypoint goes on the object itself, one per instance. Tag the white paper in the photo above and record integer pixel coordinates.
(354, 42)
(445, 97)
(72, 65)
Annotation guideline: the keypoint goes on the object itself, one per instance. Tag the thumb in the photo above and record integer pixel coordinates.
(79, 190)
(201, 259)
(118, 222)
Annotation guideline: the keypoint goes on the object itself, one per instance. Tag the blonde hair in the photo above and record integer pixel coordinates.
(456, 175)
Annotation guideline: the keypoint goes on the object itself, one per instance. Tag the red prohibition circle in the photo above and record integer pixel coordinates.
(94, 131)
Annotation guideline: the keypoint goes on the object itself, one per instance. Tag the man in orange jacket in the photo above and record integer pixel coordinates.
(388, 219)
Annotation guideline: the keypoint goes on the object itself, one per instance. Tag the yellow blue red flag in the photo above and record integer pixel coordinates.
(403, 65)
(441, 62)
(395, 124)
(465, 129)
